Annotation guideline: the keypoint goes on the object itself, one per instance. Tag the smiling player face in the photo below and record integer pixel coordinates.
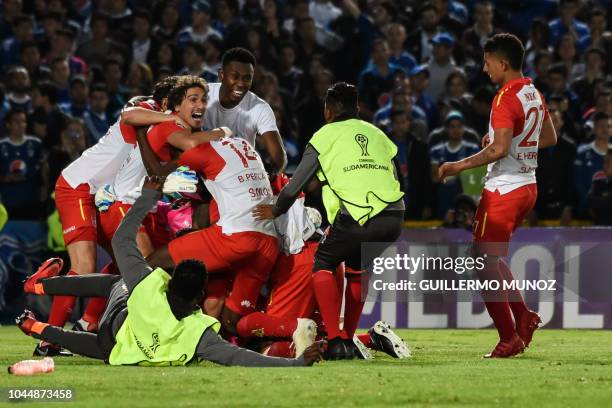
(236, 79)
(192, 109)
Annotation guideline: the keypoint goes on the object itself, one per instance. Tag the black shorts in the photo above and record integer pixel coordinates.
(343, 243)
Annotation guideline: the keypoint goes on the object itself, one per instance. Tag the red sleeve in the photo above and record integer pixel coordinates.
(158, 138)
(507, 112)
(204, 159)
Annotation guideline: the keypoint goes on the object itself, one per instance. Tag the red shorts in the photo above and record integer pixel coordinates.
(292, 294)
(111, 218)
(498, 215)
(77, 211)
(250, 255)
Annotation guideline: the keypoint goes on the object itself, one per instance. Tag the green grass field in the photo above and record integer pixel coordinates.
(563, 368)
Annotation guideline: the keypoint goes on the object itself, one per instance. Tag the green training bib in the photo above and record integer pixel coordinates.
(356, 161)
(150, 334)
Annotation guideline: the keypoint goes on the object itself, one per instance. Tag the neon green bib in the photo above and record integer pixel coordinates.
(356, 161)
(3, 216)
(150, 334)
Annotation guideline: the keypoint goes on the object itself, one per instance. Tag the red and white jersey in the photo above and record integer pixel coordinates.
(251, 117)
(99, 164)
(519, 106)
(132, 172)
(235, 176)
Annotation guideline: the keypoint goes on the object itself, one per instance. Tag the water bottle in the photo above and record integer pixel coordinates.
(31, 367)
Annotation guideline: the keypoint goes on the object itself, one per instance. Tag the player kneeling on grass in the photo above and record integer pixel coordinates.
(152, 317)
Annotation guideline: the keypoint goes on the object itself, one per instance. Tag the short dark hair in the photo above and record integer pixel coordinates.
(142, 13)
(197, 47)
(189, 280)
(396, 113)
(600, 116)
(66, 33)
(28, 44)
(558, 68)
(48, 90)
(508, 46)
(163, 87)
(238, 54)
(12, 112)
(343, 99)
(98, 87)
(179, 90)
(427, 6)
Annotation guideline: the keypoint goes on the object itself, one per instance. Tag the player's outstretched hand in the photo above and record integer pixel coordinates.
(154, 182)
(314, 352)
(263, 212)
(448, 169)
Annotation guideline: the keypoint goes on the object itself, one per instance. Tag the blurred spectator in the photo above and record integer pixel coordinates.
(419, 81)
(583, 86)
(193, 62)
(60, 77)
(557, 78)
(566, 52)
(140, 79)
(589, 160)
(305, 38)
(44, 102)
(413, 166)
(310, 110)
(456, 88)
(200, 29)
(395, 33)
(600, 34)
(257, 41)
(440, 65)
(141, 32)
(23, 31)
(454, 123)
(73, 143)
(289, 76)
(376, 79)
(555, 169)
(10, 10)
(19, 84)
(477, 116)
(600, 194)
(226, 18)
(539, 38)
(79, 94)
(96, 117)
(454, 149)
(324, 12)
(473, 38)
(23, 173)
(541, 62)
(62, 47)
(401, 100)
(96, 50)
(567, 23)
(113, 77)
(213, 50)
(32, 62)
(166, 58)
(121, 20)
(453, 15)
(272, 23)
(169, 21)
(419, 41)
(462, 213)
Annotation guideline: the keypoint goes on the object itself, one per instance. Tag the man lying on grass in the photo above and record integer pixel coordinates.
(152, 317)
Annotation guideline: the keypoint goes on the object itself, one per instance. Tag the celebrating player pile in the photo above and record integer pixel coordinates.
(518, 127)
(241, 252)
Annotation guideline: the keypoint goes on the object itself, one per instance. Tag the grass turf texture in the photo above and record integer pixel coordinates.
(562, 368)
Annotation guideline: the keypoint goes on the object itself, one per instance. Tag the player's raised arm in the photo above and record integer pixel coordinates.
(130, 261)
(185, 140)
(149, 159)
(137, 116)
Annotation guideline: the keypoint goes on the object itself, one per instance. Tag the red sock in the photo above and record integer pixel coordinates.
(365, 339)
(259, 324)
(517, 304)
(326, 292)
(281, 349)
(496, 302)
(353, 303)
(61, 307)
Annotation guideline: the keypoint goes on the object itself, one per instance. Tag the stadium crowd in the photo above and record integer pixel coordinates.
(68, 68)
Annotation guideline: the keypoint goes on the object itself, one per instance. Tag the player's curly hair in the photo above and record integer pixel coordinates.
(184, 82)
(163, 87)
(189, 280)
(343, 99)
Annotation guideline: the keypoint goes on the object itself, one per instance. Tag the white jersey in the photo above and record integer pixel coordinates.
(294, 228)
(251, 117)
(99, 164)
(518, 106)
(235, 176)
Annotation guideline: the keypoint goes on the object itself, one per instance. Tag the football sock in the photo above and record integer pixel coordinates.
(326, 293)
(365, 339)
(517, 304)
(496, 302)
(353, 303)
(259, 324)
(61, 308)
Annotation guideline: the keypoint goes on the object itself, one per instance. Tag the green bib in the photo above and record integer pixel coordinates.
(356, 161)
(55, 235)
(150, 334)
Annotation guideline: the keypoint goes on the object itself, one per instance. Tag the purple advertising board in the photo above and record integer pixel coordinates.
(578, 260)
